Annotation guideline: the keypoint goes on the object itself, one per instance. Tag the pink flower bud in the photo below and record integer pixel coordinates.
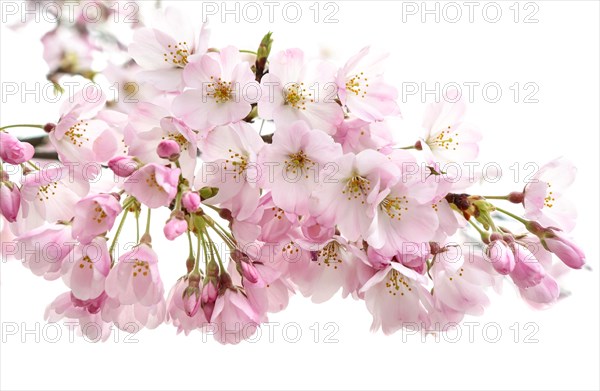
(190, 201)
(168, 149)
(14, 151)
(527, 272)
(209, 292)
(501, 256)
(566, 250)
(209, 297)
(174, 228)
(191, 304)
(10, 201)
(123, 166)
(250, 272)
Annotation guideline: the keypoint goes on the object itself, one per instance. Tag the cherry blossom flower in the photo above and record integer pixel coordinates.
(543, 195)
(459, 283)
(356, 135)
(44, 249)
(234, 318)
(362, 89)
(294, 90)
(177, 313)
(135, 278)
(78, 136)
(95, 215)
(86, 313)
(153, 185)
(230, 154)
(396, 297)
(296, 164)
(222, 90)
(329, 268)
(50, 195)
(150, 124)
(448, 138)
(348, 196)
(85, 269)
(164, 50)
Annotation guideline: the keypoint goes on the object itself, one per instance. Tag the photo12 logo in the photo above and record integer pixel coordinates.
(469, 12)
(271, 11)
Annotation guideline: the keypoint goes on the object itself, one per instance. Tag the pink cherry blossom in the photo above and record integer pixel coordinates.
(177, 313)
(50, 195)
(325, 270)
(86, 313)
(544, 199)
(85, 269)
(296, 163)
(132, 318)
(230, 155)
(294, 90)
(528, 272)
(403, 213)
(448, 138)
(347, 198)
(460, 281)
(66, 51)
(234, 318)
(222, 90)
(356, 135)
(362, 89)
(150, 124)
(44, 249)
(164, 49)
(542, 294)
(153, 185)
(135, 278)
(396, 297)
(78, 136)
(14, 151)
(95, 215)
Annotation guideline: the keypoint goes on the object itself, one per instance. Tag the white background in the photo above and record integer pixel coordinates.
(559, 53)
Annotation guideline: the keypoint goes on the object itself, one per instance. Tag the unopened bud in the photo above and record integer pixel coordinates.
(168, 149)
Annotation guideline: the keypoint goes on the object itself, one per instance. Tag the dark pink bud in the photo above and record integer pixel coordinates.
(249, 271)
(168, 149)
(190, 201)
(501, 256)
(191, 304)
(10, 201)
(14, 151)
(565, 249)
(174, 228)
(123, 166)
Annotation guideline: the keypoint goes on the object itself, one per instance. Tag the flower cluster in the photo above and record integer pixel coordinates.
(325, 201)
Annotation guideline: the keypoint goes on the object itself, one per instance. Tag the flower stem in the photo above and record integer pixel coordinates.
(189, 235)
(119, 228)
(496, 197)
(514, 216)
(248, 51)
(22, 126)
(148, 222)
(483, 234)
